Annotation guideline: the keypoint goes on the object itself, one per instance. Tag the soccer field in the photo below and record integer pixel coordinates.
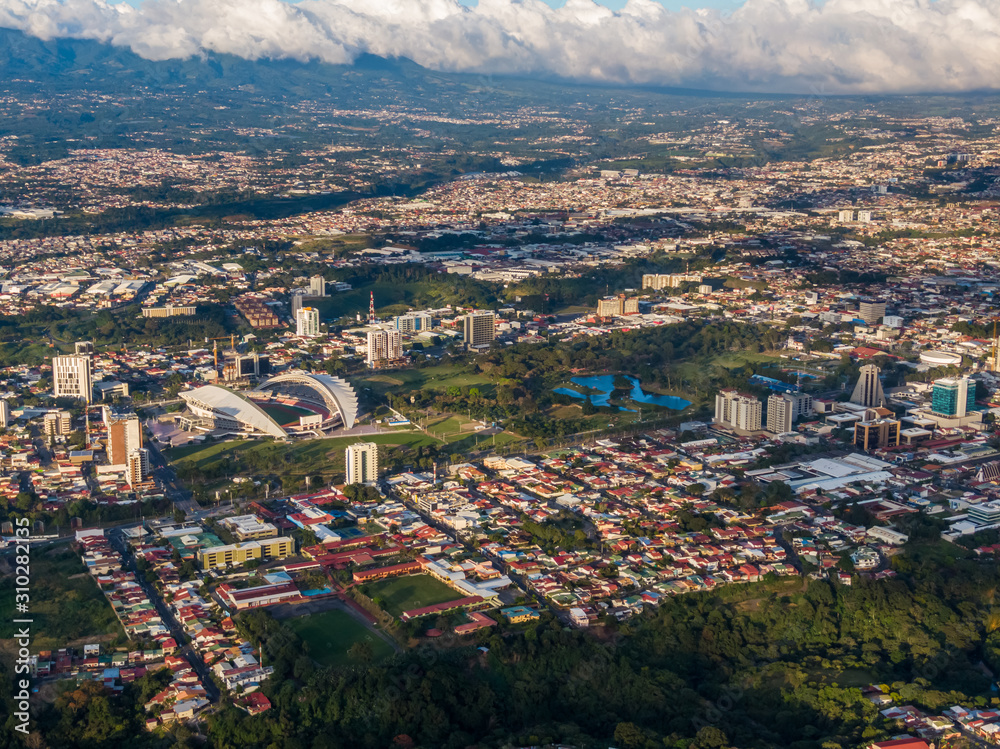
(399, 594)
(284, 414)
(330, 635)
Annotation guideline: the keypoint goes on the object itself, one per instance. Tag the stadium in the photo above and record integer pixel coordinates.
(288, 405)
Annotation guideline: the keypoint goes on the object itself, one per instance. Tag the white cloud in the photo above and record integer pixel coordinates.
(839, 46)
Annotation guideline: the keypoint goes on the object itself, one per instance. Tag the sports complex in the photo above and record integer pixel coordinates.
(288, 405)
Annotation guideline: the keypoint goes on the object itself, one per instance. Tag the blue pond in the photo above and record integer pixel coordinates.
(605, 385)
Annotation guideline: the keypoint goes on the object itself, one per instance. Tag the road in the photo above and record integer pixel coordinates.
(167, 478)
(117, 540)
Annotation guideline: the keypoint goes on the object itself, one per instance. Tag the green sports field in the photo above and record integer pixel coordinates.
(329, 636)
(284, 414)
(399, 594)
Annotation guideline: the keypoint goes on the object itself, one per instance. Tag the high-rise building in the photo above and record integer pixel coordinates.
(138, 467)
(72, 377)
(615, 306)
(785, 408)
(953, 396)
(57, 422)
(362, 463)
(317, 286)
(124, 438)
(868, 392)
(871, 312)
(384, 346)
(479, 329)
(738, 410)
(307, 322)
(845, 214)
(4, 413)
(659, 281)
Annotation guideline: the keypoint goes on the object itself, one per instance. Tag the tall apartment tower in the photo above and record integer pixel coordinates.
(738, 410)
(384, 345)
(307, 322)
(57, 422)
(362, 463)
(783, 409)
(72, 377)
(868, 392)
(4, 413)
(138, 467)
(480, 329)
(124, 438)
(317, 286)
(871, 312)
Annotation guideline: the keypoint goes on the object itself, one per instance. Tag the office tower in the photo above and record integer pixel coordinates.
(253, 365)
(480, 329)
(785, 408)
(317, 286)
(953, 396)
(4, 413)
(307, 322)
(738, 410)
(362, 463)
(138, 467)
(871, 312)
(868, 392)
(383, 346)
(124, 438)
(880, 431)
(72, 377)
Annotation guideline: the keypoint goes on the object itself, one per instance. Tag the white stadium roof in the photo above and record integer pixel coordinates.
(335, 393)
(230, 404)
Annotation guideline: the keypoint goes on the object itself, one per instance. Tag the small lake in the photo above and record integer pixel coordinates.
(605, 385)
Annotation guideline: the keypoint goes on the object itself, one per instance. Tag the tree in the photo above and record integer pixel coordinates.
(361, 651)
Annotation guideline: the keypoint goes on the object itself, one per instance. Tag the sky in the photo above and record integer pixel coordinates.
(813, 47)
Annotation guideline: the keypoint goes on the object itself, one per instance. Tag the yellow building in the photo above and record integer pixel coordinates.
(236, 554)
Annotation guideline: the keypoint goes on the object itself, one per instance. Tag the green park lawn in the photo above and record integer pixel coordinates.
(329, 636)
(399, 594)
(304, 458)
(438, 377)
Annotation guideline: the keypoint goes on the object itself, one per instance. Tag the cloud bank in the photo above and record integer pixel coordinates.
(838, 46)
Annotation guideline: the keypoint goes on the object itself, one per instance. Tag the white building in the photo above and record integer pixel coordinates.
(785, 408)
(307, 322)
(72, 377)
(384, 346)
(4, 413)
(738, 410)
(317, 286)
(362, 463)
